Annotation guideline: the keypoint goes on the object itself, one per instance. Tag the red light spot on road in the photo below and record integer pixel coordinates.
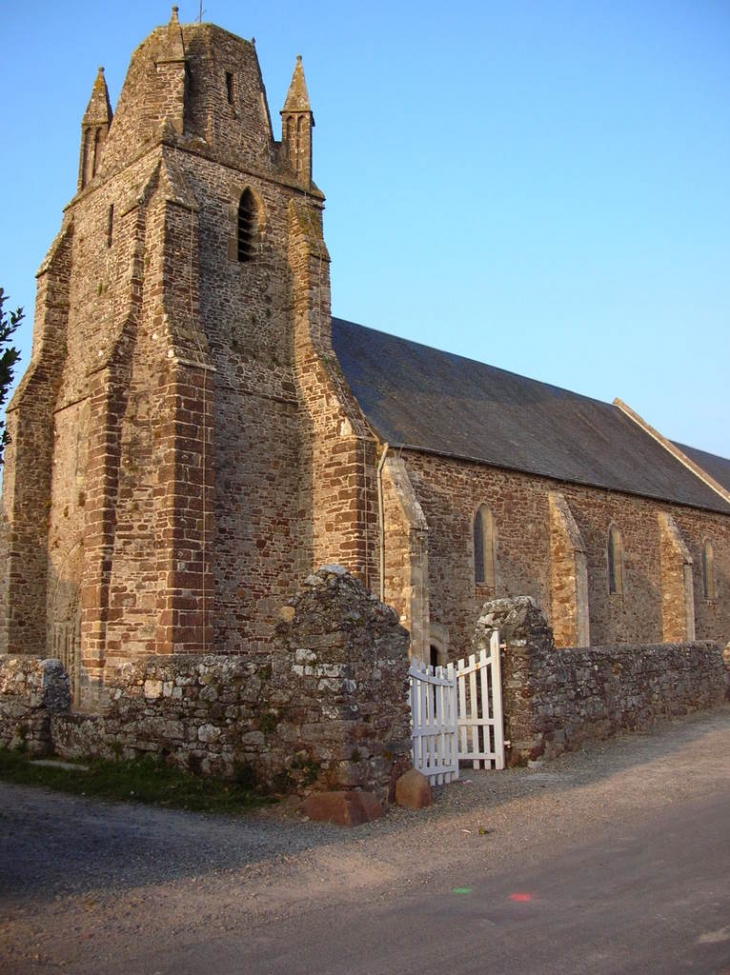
(520, 897)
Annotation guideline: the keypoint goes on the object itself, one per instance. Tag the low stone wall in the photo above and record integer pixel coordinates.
(554, 700)
(31, 691)
(326, 710)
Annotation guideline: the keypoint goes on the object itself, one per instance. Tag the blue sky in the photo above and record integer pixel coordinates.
(543, 186)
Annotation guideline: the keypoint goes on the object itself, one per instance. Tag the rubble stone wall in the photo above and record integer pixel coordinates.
(555, 699)
(326, 710)
(32, 690)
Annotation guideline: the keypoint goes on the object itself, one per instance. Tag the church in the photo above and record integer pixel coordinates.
(195, 433)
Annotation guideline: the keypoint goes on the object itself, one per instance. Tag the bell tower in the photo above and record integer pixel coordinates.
(183, 450)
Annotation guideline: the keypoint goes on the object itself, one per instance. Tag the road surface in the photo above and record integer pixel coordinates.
(612, 860)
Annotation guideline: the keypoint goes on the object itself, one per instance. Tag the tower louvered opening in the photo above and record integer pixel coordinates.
(246, 226)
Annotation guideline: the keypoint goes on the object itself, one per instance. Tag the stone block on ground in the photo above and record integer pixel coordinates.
(412, 790)
(342, 808)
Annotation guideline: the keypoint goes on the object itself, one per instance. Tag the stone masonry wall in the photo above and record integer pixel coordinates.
(184, 446)
(449, 492)
(32, 690)
(326, 710)
(554, 700)
(405, 553)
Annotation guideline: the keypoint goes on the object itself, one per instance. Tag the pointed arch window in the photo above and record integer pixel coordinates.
(484, 547)
(708, 569)
(246, 226)
(615, 562)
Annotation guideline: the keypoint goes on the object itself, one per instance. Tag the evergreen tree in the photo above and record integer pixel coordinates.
(9, 356)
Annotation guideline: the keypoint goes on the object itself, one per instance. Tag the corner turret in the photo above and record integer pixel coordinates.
(171, 70)
(297, 122)
(94, 129)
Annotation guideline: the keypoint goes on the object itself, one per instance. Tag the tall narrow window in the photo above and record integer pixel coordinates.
(97, 151)
(230, 93)
(708, 569)
(484, 556)
(86, 162)
(246, 226)
(615, 561)
(110, 226)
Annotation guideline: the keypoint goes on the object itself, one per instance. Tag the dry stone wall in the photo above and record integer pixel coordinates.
(326, 710)
(32, 690)
(554, 700)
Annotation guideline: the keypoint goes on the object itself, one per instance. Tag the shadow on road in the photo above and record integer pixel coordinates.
(53, 845)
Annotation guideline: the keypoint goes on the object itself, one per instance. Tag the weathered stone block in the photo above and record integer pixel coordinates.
(342, 808)
(412, 790)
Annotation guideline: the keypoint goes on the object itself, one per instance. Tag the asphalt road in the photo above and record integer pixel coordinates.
(613, 860)
(655, 899)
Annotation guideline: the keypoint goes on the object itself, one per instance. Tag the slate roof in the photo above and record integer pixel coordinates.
(420, 398)
(717, 467)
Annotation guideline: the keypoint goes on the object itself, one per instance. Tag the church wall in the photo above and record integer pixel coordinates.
(634, 615)
(92, 405)
(404, 554)
(245, 312)
(28, 460)
(711, 614)
(450, 491)
(338, 493)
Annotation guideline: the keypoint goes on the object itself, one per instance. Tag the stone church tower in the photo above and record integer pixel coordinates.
(184, 449)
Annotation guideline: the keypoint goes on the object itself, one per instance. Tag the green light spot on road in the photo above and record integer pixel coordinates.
(461, 890)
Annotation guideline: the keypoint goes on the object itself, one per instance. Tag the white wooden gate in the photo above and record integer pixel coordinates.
(479, 710)
(456, 715)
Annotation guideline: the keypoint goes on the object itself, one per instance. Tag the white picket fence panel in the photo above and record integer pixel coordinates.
(433, 723)
(456, 715)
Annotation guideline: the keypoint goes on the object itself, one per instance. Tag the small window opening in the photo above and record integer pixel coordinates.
(484, 567)
(434, 656)
(708, 570)
(246, 226)
(230, 93)
(97, 151)
(110, 226)
(86, 162)
(615, 562)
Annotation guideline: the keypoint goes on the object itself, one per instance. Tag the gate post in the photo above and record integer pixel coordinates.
(528, 641)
